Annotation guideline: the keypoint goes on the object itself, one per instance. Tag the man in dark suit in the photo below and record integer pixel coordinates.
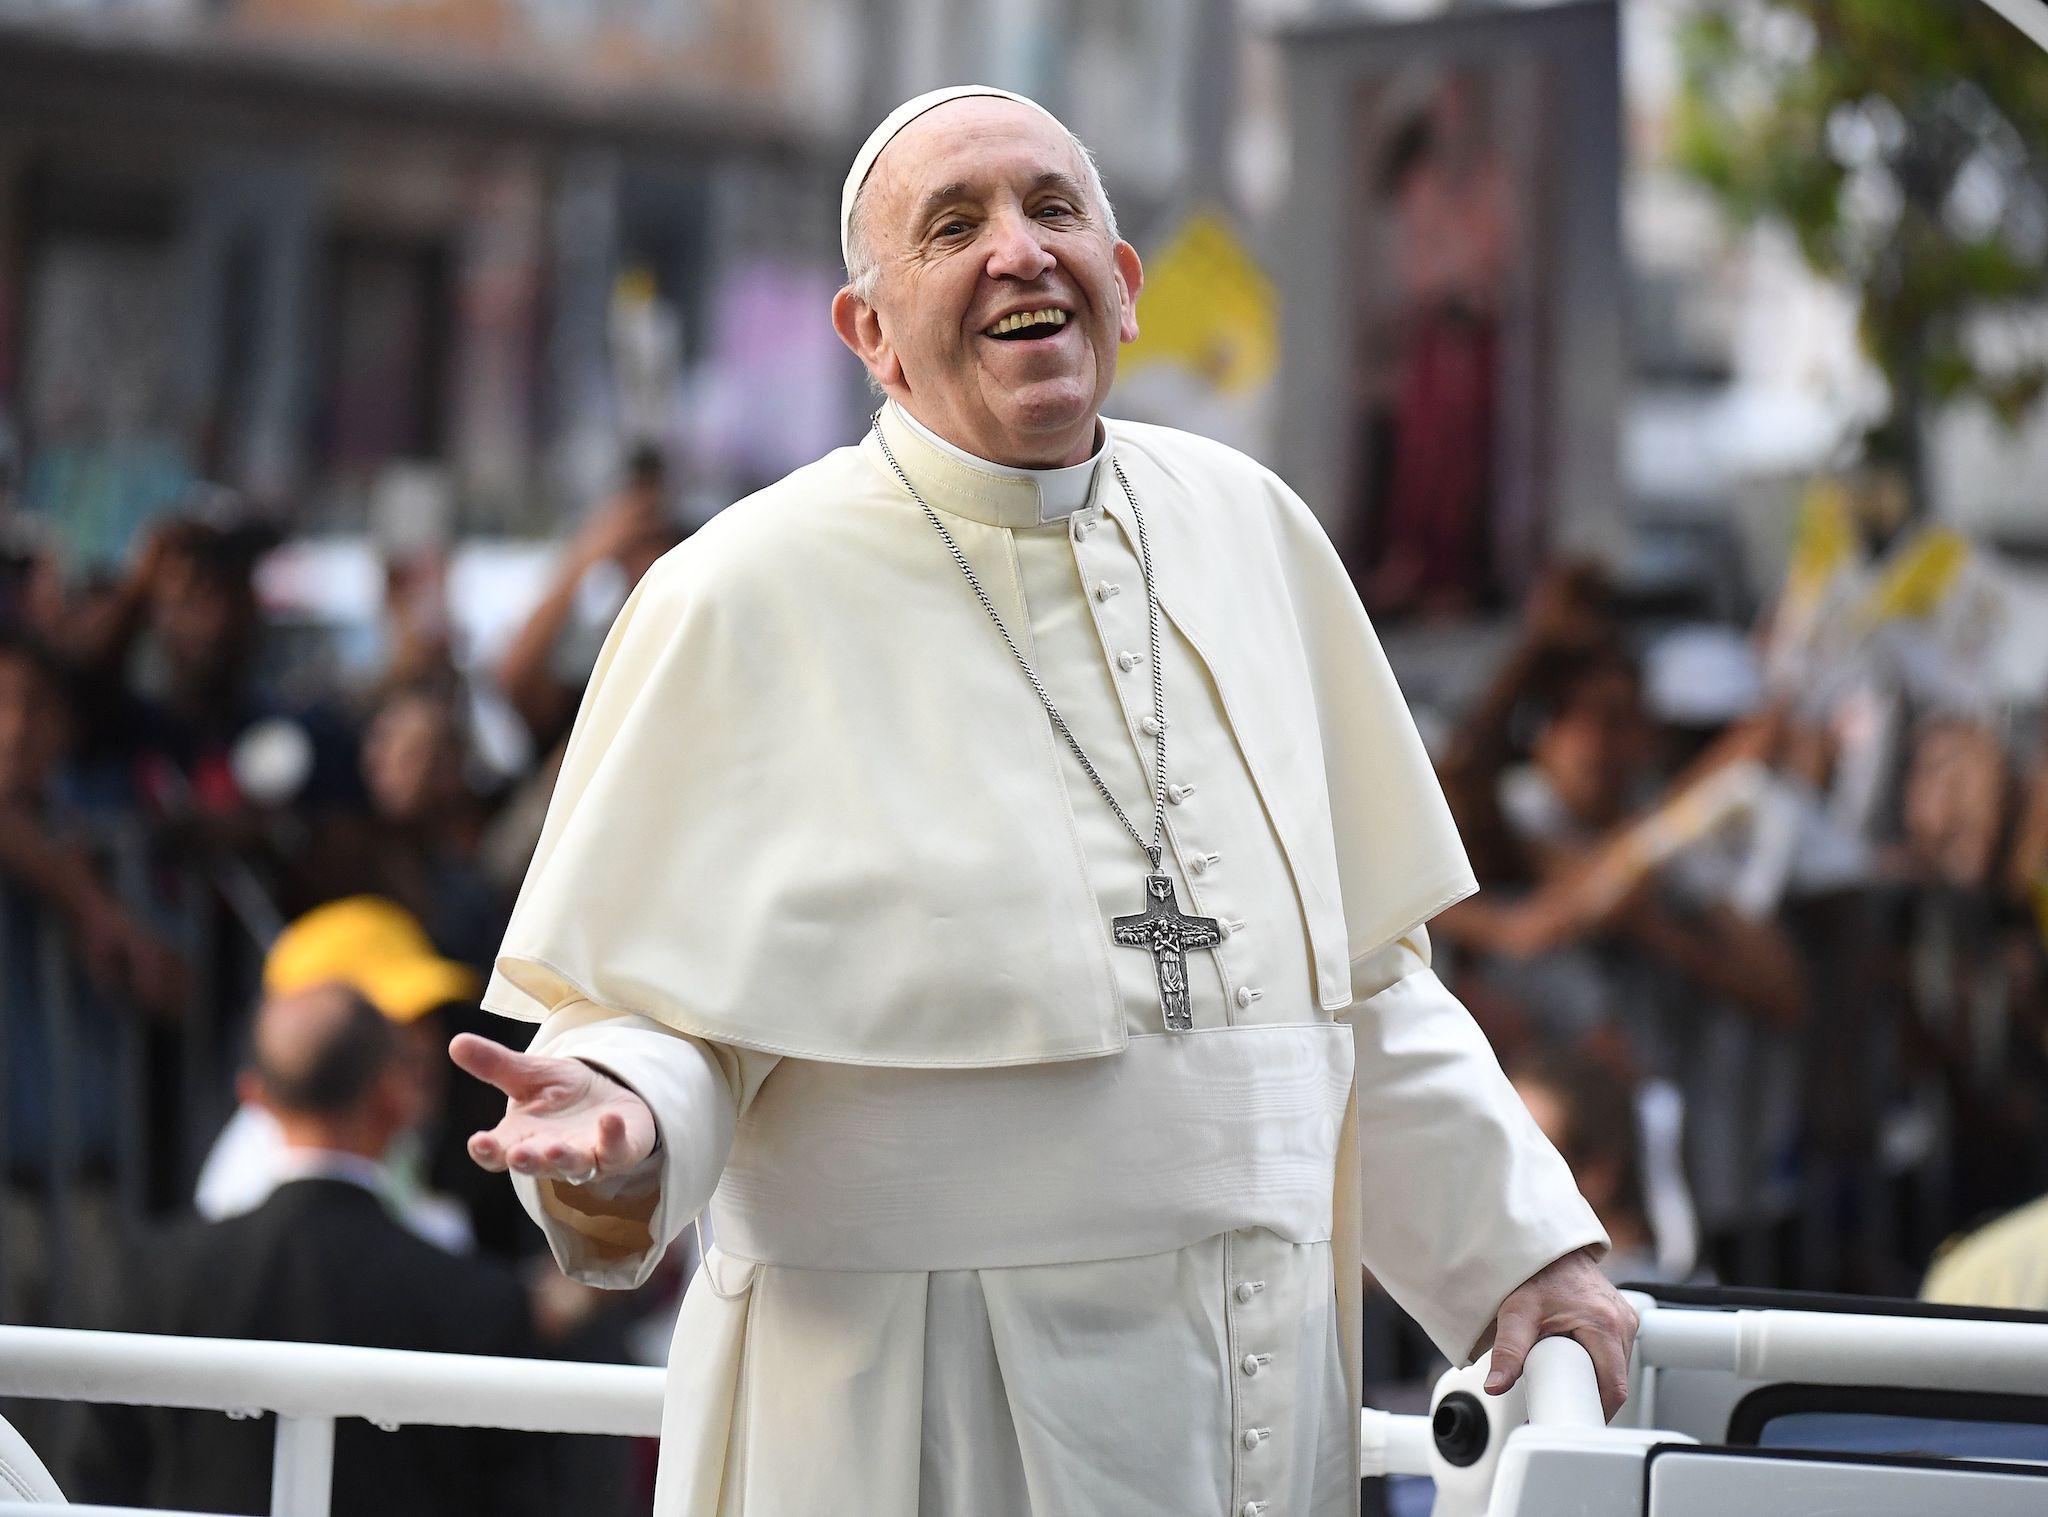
(324, 1260)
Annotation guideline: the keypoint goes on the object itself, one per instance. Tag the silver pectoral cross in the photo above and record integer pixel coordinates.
(1162, 929)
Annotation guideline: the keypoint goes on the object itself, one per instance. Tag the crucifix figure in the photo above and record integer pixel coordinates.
(1169, 935)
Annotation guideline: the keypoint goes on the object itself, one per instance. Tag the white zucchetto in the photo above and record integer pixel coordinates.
(896, 121)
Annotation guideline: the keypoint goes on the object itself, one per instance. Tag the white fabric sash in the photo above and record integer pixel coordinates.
(1180, 1137)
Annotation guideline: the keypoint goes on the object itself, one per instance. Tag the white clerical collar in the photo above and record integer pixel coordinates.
(1056, 493)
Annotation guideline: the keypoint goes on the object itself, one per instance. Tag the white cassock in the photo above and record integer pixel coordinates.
(820, 882)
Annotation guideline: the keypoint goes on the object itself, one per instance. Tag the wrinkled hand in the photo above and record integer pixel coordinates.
(1567, 1299)
(563, 1121)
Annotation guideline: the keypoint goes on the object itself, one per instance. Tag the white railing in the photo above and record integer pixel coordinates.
(1842, 1348)
(309, 1385)
(37, 1509)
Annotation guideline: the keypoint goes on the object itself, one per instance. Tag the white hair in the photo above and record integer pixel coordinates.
(862, 271)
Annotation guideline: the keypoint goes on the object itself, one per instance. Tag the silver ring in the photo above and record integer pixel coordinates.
(586, 1179)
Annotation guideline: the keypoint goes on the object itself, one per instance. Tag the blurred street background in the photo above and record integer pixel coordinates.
(1668, 372)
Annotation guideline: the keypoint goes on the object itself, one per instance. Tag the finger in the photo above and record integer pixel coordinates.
(487, 1151)
(614, 1150)
(523, 1159)
(1610, 1367)
(548, 1158)
(1513, 1337)
(514, 1073)
(576, 1165)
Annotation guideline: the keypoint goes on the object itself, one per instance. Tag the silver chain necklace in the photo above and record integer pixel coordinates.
(1160, 928)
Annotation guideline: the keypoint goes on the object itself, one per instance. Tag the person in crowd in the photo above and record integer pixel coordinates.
(1973, 958)
(1590, 772)
(1570, 610)
(426, 1180)
(171, 659)
(324, 1260)
(1584, 938)
(418, 631)
(1588, 1108)
(420, 841)
(1957, 810)
(61, 1013)
(379, 950)
(122, 954)
(32, 597)
(544, 669)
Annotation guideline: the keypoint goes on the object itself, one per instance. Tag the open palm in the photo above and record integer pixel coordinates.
(564, 1120)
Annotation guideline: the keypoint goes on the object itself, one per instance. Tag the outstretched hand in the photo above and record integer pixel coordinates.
(1569, 1298)
(564, 1120)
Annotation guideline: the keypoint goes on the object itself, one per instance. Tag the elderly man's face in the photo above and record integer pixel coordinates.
(978, 212)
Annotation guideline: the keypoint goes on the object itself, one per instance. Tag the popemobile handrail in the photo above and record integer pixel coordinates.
(1847, 1348)
(390, 1387)
(41, 1509)
(309, 1385)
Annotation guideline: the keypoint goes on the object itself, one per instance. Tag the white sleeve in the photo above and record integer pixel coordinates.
(614, 1234)
(1463, 1198)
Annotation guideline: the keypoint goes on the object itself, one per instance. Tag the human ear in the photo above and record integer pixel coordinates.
(860, 328)
(1130, 278)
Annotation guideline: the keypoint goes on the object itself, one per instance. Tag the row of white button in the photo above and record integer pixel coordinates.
(1246, 1292)
(1151, 726)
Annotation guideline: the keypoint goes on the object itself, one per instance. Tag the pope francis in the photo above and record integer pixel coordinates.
(990, 871)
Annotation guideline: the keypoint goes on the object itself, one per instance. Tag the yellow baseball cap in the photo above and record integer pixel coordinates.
(377, 946)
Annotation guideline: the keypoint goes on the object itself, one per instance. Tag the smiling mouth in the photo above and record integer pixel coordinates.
(1027, 326)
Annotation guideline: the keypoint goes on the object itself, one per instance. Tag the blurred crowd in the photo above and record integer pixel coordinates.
(1761, 944)
(240, 919)
(1762, 930)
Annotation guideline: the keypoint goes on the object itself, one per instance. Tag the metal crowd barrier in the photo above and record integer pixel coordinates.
(79, 1204)
(220, 922)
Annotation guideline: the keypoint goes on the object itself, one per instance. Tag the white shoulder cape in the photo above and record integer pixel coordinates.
(810, 806)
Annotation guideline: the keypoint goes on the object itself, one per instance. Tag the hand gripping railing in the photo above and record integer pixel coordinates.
(1558, 1389)
(309, 1385)
(1462, 1445)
